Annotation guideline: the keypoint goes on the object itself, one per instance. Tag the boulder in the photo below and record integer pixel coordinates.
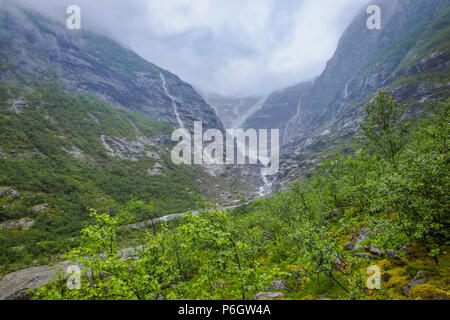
(277, 285)
(267, 234)
(391, 253)
(268, 295)
(24, 223)
(363, 255)
(362, 235)
(419, 279)
(375, 251)
(41, 207)
(404, 248)
(16, 285)
(158, 296)
(349, 246)
(9, 191)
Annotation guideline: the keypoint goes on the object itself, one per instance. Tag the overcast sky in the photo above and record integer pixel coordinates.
(237, 47)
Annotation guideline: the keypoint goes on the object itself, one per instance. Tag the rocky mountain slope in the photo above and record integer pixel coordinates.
(278, 110)
(86, 123)
(409, 56)
(34, 48)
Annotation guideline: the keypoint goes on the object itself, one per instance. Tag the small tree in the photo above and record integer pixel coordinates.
(382, 131)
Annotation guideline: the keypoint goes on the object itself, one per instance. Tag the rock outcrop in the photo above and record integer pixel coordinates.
(268, 295)
(16, 285)
(419, 279)
(401, 57)
(22, 224)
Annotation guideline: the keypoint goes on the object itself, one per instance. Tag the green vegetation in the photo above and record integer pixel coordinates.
(394, 191)
(35, 143)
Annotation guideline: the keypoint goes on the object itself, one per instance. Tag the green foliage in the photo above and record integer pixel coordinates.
(419, 189)
(398, 195)
(209, 256)
(35, 160)
(381, 128)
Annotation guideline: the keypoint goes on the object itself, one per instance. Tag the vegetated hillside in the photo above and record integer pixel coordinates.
(409, 56)
(373, 226)
(87, 123)
(33, 48)
(62, 153)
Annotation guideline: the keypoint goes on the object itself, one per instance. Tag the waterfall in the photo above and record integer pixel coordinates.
(266, 188)
(237, 124)
(174, 105)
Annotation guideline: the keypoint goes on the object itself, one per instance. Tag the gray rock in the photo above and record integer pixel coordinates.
(391, 253)
(358, 247)
(362, 235)
(267, 234)
(41, 207)
(277, 285)
(268, 295)
(336, 213)
(404, 248)
(375, 251)
(9, 191)
(158, 296)
(157, 166)
(15, 286)
(24, 224)
(419, 279)
(363, 255)
(339, 262)
(349, 246)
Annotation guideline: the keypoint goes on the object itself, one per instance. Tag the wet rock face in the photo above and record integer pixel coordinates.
(278, 109)
(365, 60)
(92, 63)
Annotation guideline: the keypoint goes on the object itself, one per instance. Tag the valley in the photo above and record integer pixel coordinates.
(86, 165)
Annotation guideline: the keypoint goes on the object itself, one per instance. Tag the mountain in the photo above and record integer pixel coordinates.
(73, 141)
(86, 123)
(229, 108)
(34, 48)
(278, 109)
(409, 56)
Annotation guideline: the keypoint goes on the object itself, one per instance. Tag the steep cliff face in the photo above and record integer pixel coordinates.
(366, 60)
(409, 56)
(34, 48)
(278, 110)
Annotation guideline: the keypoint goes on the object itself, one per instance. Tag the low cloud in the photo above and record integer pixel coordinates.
(236, 47)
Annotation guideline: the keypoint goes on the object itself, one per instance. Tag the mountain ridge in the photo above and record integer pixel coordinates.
(410, 56)
(34, 48)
